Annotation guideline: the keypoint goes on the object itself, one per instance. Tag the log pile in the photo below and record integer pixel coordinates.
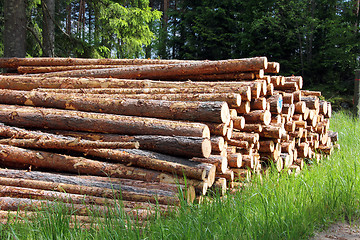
(96, 127)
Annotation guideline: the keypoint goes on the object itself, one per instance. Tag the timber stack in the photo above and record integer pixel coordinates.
(149, 128)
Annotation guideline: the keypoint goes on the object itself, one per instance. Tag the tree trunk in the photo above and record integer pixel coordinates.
(48, 33)
(98, 122)
(14, 29)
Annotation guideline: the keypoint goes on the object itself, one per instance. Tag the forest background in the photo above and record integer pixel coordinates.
(317, 39)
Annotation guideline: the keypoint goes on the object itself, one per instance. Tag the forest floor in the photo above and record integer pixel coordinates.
(341, 231)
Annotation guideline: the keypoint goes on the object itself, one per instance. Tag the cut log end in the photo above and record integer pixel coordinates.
(206, 147)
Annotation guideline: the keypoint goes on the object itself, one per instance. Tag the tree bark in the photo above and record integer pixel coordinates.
(171, 71)
(97, 122)
(213, 111)
(245, 92)
(15, 204)
(45, 61)
(82, 165)
(131, 190)
(137, 195)
(48, 33)
(75, 145)
(14, 29)
(171, 145)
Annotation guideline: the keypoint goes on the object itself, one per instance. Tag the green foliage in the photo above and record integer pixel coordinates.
(316, 39)
(125, 29)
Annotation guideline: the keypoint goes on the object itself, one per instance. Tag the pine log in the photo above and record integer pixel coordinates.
(97, 122)
(244, 108)
(297, 96)
(233, 99)
(270, 90)
(180, 110)
(172, 145)
(128, 187)
(270, 131)
(245, 91)
(242, 174)
(155, 161)
(219, 162)
(311, 102)
(334, 136)
(23, 192)
(311, 93)
(291, 86)
(71, 184)
(248, 161)
(273, 67)
(239, 122)
(329, 110)
(217, 144)
(220, 186)
(303, 150)
(171, 71)
(266, 146)
(59, 162)
(235, 160)
(300, 107)
(47, 61)
(15, 204)
(176, 145)
(74, 145)
(252, 128)
(244, 136)
(288, 98)
(258, 116)
(296, 79)
(238, 143)
(323, 107)
(276, 103)
(263, 87)
(228, 175)
(218, 129)
(258, 104)
(236, 76)
(290, 126)
(47, 69)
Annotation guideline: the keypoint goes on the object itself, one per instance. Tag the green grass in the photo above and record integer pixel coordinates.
(281, 207)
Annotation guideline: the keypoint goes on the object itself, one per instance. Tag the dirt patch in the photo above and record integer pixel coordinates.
(340, 231)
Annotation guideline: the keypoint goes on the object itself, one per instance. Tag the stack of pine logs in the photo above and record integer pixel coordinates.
(87, 128)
